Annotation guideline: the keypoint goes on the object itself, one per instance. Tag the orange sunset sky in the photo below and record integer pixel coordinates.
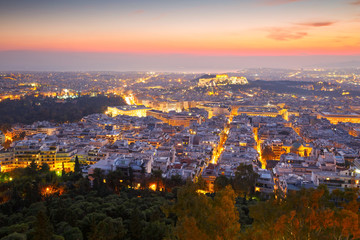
(196, 27)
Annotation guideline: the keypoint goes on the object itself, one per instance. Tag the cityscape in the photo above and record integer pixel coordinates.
(155, 121)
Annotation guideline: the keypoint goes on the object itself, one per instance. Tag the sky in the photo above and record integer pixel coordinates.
(174, 35)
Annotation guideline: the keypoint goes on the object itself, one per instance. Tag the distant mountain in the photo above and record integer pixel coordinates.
(95, 61)
(347, 64)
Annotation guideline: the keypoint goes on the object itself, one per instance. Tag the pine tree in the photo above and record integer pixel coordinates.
(201, 217)
(135, 227)
(43, 227)
(77, 168)
(245, 179)
(63, 170)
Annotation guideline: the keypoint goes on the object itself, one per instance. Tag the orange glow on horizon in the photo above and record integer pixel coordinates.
(204, 52)
(193, 27)
(251, 44)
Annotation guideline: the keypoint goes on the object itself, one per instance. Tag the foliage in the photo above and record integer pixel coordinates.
(45, 108)
(202, 217)
(80, 213)
(221, 182)
(43, 229)
(15, 236)
(110, 210)
(267, 153)
(307, 214)
(245, 179)
(77, 168)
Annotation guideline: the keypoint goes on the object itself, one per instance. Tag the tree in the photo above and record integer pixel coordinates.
(221, 182)
(136, 226)
(203, 217)
(63, 173)
(77, 168)
(15, 236)
(115, 180)
(98, 178)
(32, 193)
(15, 195)
(32, 168)
(174, 181)
(50, 109)
(245, 179)
(157, 176)
(119, 228)
(82, 186)
(224, 217)
(43, 227)
(105, 230)
(154, 230)
(90, 221)
(187, 229)
(73, 233)
(10, 230)
(44, 168)
(267, 153)
(131, 176)
(305, 214)
(200, 183)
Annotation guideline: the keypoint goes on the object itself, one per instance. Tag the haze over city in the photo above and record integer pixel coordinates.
(178, 35)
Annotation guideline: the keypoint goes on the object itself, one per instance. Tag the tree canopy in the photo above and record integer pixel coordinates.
(267, 153)
(34, 109)
(38, 204)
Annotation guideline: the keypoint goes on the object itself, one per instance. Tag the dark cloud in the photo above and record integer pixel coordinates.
(316, 24)
(285, 34)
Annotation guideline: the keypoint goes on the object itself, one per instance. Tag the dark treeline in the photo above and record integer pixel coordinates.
(39, 204)
(282, 87)
(292, 87)
(30, 109)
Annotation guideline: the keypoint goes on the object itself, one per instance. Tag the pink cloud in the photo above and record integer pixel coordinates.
(285, 34)
(355, 2)
(316, 24)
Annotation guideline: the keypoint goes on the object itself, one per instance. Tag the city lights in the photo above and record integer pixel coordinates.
(180, 119)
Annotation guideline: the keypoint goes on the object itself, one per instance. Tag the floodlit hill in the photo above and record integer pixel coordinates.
(220, 79)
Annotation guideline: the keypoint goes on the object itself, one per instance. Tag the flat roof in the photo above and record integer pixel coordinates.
(130, 107)
(330, 114)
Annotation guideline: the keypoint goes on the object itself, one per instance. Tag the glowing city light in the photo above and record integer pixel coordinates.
(153, 187)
